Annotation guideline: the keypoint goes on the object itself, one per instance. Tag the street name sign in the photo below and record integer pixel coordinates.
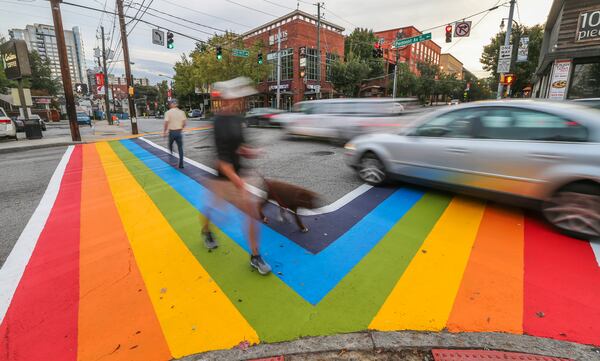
(462, 29)
(158, 37)
(415, 39)
(240, 52)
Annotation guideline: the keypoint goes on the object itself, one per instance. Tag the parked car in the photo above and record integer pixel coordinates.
(343, 119)
(536, 154)
(195, 113)
(590, 102)
(454, 102)
(7, 126)
(20, 122)
(84, 119)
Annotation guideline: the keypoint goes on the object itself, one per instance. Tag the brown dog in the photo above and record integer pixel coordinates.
(288, 196)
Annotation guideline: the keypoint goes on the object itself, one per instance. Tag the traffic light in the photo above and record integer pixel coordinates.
(377, 50)
(448, 33)
(219, 53)
(509, 79)
(170, 41)
(260, 58)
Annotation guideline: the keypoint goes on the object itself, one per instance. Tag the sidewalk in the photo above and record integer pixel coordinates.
(100, 131)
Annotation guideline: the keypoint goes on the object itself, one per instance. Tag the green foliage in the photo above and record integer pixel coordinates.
(359, 44)
(201, 66)
(346, 77)
(525, 71)
(41, 76)
(406, 84)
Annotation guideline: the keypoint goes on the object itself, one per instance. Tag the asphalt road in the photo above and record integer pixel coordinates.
(24, 177)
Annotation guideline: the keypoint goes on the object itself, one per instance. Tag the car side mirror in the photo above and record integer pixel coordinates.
(432, 131)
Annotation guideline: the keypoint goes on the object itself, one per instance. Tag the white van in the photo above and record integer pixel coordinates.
(342, 119)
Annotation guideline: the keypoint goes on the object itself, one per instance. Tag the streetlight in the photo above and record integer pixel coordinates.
(502, 25)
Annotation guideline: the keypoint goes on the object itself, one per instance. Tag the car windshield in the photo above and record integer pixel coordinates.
(2, 113)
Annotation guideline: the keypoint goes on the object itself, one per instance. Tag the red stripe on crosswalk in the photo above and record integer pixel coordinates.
(41, 322)
(562, 286)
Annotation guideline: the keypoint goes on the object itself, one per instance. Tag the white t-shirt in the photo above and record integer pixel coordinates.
(175, 118)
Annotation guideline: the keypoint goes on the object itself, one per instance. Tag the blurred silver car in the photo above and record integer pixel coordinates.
(342, 118)
(529, 153)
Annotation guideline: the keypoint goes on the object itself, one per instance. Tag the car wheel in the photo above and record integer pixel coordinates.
(575, 210)
(371, 170)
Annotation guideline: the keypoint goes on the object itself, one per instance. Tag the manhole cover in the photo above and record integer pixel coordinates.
(202, 147)
(322, 153)
(481, 355)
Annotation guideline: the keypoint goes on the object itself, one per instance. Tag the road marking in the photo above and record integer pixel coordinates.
(13, 268)
(423, 297)
(596, 248)
(41, 322)
(194, 313)
(349, 197)
(114, 307)
(490, 297)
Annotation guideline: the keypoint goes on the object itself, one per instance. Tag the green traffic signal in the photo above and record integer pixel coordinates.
(170, 41)
(260, 58)
(219, 53)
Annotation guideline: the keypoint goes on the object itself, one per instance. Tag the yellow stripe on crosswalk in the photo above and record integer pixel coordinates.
(423, 297)
(194, 313)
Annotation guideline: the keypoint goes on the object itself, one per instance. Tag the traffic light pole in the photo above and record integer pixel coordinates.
(506, 43)
(64, 70)
(130, 97)
(105, 71)
(319, 48)
(395, 75)
(278, 68)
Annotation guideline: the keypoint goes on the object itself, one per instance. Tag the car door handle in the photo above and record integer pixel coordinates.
(457, 150)
(546, 156)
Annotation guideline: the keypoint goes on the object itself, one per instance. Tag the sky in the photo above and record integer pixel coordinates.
(242, 15)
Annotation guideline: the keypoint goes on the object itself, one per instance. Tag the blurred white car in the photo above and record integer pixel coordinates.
(342, 119)
(7, 126)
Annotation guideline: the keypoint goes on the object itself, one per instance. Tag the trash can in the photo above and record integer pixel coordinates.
(33, 129)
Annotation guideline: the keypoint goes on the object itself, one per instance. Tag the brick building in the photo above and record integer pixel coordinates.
(426, 51)
(299, 53)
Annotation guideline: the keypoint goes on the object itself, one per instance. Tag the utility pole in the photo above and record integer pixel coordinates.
(105, 71)
(278, 68)
(130, 97)
(395, 75)
(319, 49)
(64, 70)
(506, 43)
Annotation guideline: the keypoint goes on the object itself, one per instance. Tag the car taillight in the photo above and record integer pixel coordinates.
(4, 121)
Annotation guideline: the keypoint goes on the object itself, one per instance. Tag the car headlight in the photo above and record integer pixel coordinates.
(350, 146)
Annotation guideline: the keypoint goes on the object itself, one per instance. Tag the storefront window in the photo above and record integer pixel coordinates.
(585, 81)
(311, 64)
(330, 59)
(287, 65)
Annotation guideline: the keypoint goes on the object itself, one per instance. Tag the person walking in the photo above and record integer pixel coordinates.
(231, 147)
(175, 121)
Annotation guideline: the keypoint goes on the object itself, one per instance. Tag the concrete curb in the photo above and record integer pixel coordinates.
(402, 340)
(36, 146)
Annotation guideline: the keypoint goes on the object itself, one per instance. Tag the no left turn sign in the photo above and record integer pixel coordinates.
(462, 29)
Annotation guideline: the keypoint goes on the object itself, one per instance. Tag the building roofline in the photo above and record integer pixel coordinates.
(295, 12)
(455, 58)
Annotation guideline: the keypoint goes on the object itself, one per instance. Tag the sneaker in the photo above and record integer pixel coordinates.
(181, 166)
(260, 264)
(209, 240)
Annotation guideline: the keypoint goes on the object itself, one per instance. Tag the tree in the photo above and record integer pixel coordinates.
(426, 83)
(201, 66)
(346, 77)
(406, 83)
(359, 45)
(41, 76)
(524, 71)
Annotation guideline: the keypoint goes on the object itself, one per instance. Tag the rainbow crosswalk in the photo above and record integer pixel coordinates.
(112, 266)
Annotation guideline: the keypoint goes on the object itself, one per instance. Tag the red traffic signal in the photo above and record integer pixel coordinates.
(448, 33)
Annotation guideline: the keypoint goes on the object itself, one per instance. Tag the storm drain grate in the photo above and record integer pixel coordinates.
(322, 153)
(202, 147)
(481, 355)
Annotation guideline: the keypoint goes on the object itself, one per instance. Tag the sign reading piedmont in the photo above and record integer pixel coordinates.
(240, 52)
(415, 39)
(588, 28)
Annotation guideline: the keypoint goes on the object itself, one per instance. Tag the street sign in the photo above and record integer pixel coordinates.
(504, 59)
(15, 59)
(243, 53)
(413, 40)
(462, 29)
(158, 37)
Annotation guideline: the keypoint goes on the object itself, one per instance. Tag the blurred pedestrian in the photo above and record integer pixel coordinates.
(175, 121)
(230, 145)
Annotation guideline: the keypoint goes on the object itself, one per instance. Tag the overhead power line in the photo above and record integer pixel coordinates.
(281, 6)
(183, 19)
(206, 14)
(250, 8)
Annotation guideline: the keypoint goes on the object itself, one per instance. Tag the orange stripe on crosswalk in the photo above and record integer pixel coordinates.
(490, 297)
(116, 316)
